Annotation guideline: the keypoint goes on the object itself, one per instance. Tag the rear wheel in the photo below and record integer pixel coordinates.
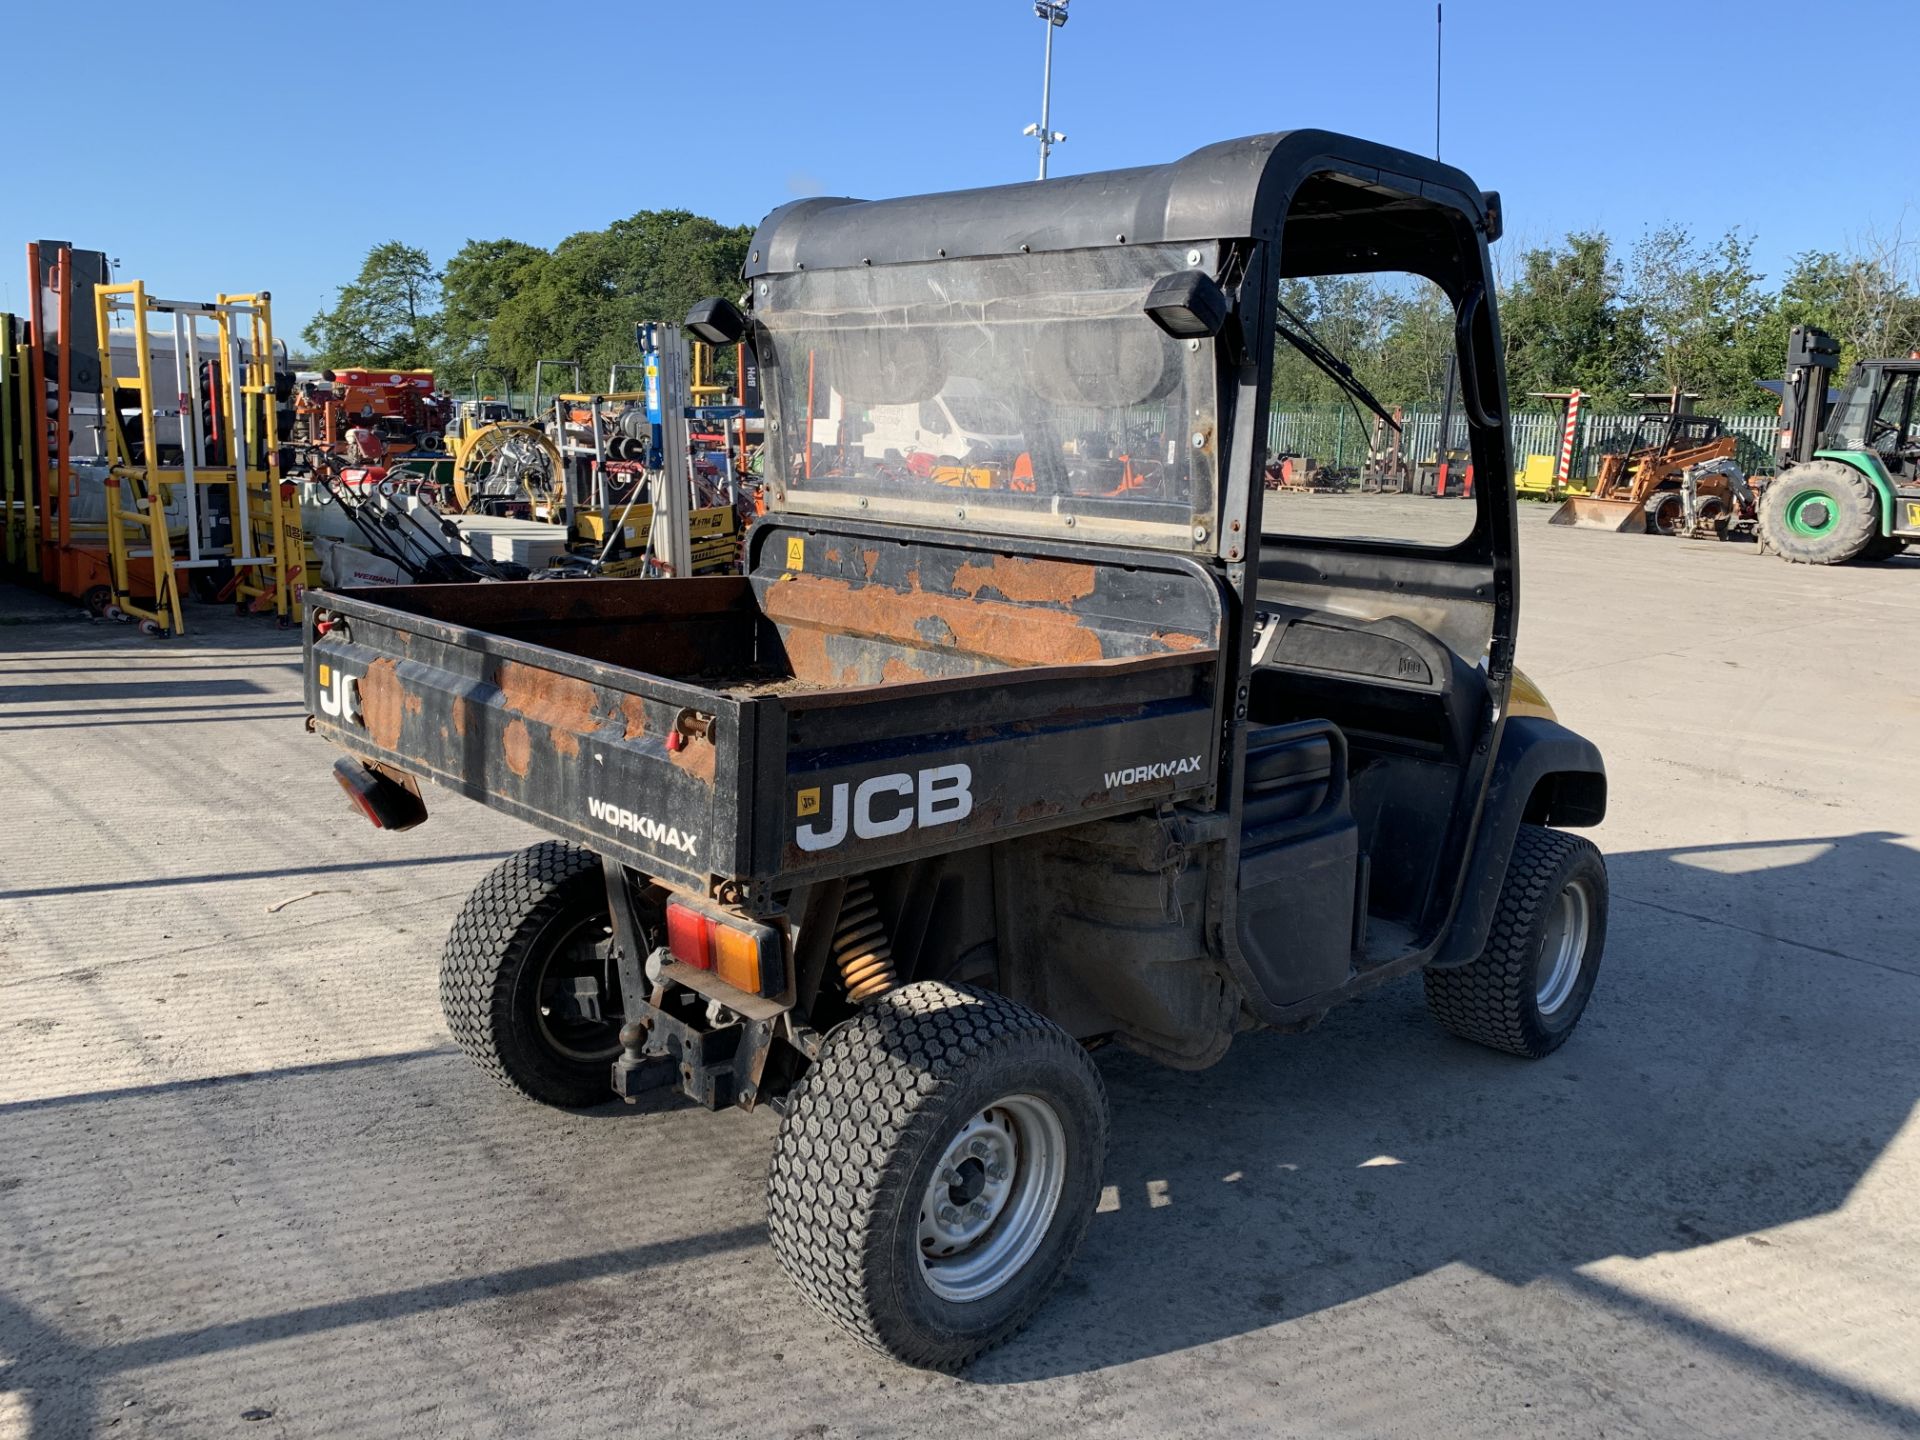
(1820, 513)
(936, 1171)
(527, 982)
(1527, 989)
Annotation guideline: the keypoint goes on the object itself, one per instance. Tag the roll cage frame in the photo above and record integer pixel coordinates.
(1289, 205)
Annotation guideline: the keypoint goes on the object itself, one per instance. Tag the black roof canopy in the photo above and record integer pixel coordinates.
(1310, 181)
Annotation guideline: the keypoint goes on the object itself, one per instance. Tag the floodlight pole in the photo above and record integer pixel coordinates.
(1054, 12)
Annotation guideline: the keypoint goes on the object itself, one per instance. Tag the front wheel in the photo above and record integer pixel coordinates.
(937, 1170)
(528, 984)
(1819, 513)
(1527, 989)
(1666, 512)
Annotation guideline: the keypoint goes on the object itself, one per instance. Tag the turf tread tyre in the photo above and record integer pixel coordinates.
(485, 959)
(1491, 1000)
(863, 1129)
(1853, 532)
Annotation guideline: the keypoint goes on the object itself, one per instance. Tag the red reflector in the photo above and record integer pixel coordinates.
(361, 798)
(689, 937)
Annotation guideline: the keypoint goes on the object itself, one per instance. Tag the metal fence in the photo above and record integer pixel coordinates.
(1333, 435)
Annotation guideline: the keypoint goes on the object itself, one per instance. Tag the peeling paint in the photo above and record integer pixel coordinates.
(459, 708)
(1179, 640)
(517, 746)
(807, 655)
(696, 758)
(561, 703)
(1052, 582)
(383, 703)
(634, 710)
(995, 630)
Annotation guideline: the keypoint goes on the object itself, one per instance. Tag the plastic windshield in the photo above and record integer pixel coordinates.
(1024, 393)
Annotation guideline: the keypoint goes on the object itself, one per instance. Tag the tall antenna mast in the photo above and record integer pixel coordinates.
(1439, 27)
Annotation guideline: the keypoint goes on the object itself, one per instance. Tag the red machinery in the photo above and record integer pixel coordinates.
(402, 406)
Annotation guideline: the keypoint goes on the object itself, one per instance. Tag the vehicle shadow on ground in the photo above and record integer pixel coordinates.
(317, 1167)
(55, 686)
(1747, 1058)
(34, 620)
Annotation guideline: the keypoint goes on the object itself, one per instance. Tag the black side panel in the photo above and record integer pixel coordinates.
(1544, 774)
(1295, 917)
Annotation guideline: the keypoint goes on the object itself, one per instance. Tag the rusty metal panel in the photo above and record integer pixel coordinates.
(582, 755)
(929, 696)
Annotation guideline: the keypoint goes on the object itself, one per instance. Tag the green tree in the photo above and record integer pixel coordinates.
(384, 319)
(1394, 330)
(1701, 307)
(1417, 342)
(480, 279)
(1868, 300)
(1563, 324)
(1350, 315)
(584, 301)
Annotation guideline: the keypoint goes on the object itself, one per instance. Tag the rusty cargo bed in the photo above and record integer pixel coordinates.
(860, 697)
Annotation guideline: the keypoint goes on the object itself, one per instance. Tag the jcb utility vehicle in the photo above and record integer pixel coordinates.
(1849, 482)
(955, 784)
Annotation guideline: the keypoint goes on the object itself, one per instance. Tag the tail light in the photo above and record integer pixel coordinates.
(386, 804)
(745, 955)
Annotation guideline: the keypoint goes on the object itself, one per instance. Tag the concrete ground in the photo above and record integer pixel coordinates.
(246, 1186)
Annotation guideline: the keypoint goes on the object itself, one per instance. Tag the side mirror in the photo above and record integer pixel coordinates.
(1188, 305)
(717, 321)
(1496, 215)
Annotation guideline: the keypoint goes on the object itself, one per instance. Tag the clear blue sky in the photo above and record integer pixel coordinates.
(412, 120)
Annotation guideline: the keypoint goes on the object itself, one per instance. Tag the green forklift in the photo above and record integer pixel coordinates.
(1849, 481)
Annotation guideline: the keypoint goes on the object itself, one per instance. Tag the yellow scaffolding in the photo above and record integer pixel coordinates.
(208, 495)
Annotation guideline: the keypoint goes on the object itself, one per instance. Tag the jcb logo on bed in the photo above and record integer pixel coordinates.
(884, 805)
(339, 695)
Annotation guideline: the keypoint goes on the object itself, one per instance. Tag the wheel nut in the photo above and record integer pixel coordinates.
(996, 1172)
(977, 1210)
(980, 1149)
(949, 1215)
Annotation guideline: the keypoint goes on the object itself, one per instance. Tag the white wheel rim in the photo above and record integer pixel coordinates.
(992, 1198)
(1563, 949)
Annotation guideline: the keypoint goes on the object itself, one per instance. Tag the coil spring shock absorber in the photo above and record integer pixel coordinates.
(860, 946)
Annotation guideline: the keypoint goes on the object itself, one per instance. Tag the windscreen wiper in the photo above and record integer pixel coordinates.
(1331, 365)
